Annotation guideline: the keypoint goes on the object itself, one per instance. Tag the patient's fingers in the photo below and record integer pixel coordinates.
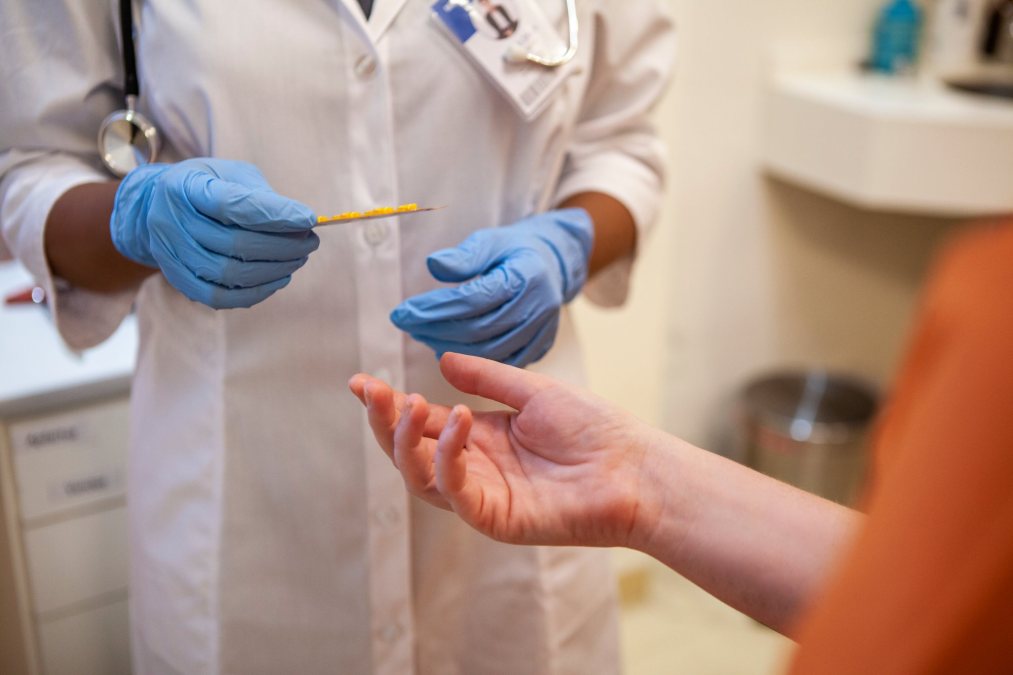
(492, 380)
(357, 385)
(452, 467)
(435, 421)
(411, 454)
(381, 413)
(437, 413)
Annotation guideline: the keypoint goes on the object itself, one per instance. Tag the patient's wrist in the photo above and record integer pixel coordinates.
(661, 506)
(652, 496)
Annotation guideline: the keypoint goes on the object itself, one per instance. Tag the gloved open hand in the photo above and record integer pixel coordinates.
(215, 229)
(515, 279)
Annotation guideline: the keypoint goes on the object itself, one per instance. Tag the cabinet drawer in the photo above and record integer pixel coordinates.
(96, 642)
(77, 559)
(69, 459)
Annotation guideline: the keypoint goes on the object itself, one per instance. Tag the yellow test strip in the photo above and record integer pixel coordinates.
(379, 212)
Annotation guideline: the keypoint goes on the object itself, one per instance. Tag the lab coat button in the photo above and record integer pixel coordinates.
(365, 66)
(391, 632)
(376, 232)
(389, 516)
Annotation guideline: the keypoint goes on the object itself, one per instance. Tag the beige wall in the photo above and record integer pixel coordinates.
(744, 273)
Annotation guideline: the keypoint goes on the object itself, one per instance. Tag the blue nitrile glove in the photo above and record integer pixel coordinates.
(214, 228)
(516, 278)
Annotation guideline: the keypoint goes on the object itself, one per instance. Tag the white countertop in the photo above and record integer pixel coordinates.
(891, 144)
(38, 371)
(909, 99)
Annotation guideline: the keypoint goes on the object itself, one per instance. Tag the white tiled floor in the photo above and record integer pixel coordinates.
(679, 629)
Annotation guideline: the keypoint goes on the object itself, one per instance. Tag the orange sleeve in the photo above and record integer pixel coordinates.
(928, 587)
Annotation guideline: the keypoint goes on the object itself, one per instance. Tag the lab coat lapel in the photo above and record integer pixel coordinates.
(384, 13)
(354, 10)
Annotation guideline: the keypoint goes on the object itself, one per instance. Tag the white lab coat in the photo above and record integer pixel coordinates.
(269, 534)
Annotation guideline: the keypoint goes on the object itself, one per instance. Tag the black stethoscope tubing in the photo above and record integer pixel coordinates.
(130, 83)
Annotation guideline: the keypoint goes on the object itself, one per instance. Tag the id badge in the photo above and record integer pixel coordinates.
(486, 30)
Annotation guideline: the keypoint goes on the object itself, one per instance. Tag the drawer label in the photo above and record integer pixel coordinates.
(35, 440)
(92, 485)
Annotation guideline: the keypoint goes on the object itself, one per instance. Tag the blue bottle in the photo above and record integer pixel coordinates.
(896, 37)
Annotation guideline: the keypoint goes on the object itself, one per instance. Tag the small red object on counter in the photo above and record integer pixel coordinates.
(32, 295)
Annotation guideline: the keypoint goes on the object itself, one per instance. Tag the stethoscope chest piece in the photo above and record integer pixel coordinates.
(127, 140)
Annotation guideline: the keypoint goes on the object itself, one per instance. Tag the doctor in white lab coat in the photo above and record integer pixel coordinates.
(267, 533)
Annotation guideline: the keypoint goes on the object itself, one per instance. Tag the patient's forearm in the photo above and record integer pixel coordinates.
(759, 545)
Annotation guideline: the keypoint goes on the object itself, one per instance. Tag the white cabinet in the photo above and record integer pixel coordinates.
(65, 513)
(76, 561)
(63, 523)
(90, 642)
(68, 460)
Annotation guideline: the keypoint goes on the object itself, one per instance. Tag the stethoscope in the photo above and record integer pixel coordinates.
(517, 54)
(126, 139)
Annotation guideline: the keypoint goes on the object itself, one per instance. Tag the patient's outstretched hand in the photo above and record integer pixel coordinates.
(565, 469)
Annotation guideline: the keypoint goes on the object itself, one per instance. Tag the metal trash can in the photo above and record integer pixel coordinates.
(809, 429)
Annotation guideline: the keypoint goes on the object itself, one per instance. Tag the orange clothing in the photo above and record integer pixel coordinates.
(928, 586)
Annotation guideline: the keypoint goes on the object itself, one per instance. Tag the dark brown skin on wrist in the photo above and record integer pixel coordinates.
(78, 245)
(615, 234)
